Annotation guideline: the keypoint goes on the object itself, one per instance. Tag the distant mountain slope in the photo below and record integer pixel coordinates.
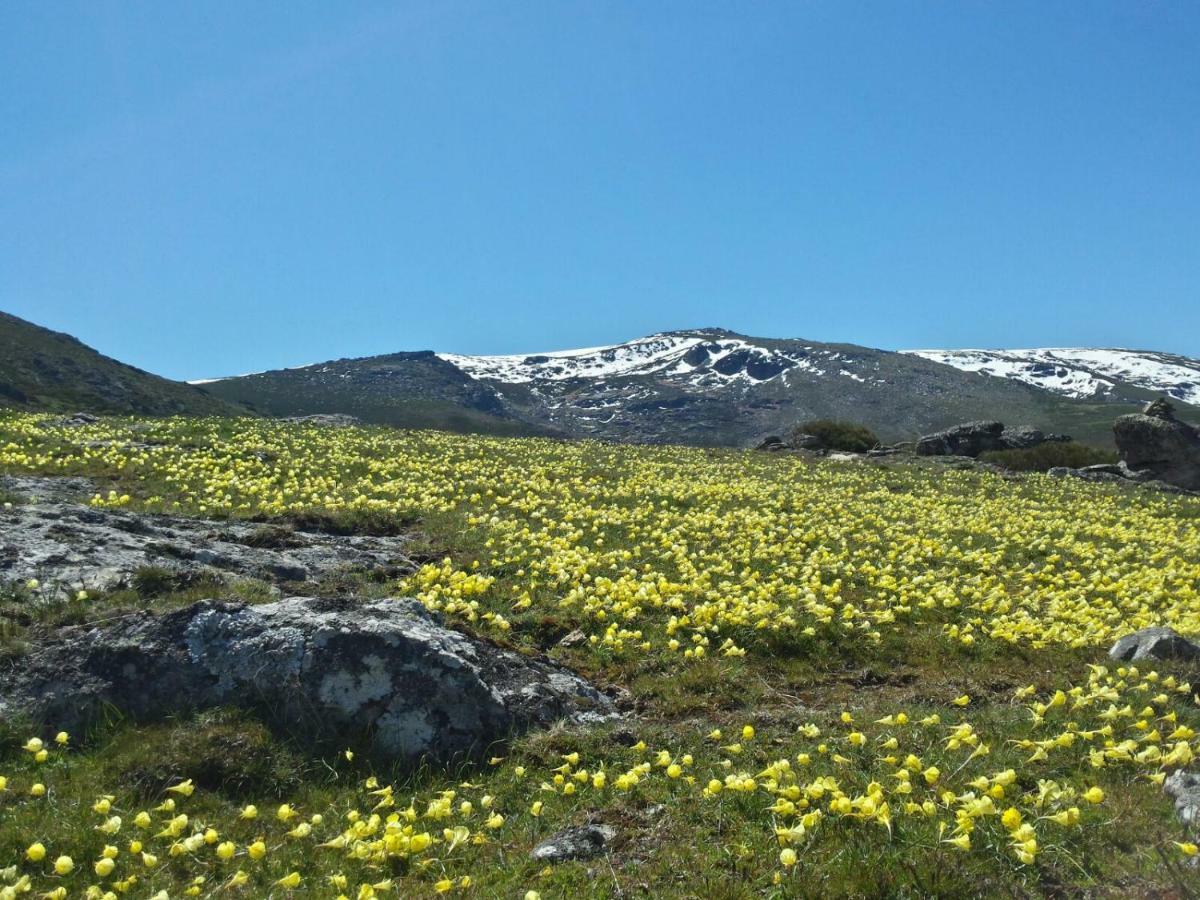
(43, 369)
(413, 390)
(1084, 372)
(705, 386)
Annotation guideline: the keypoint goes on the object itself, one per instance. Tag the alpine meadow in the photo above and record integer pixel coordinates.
(600, 450)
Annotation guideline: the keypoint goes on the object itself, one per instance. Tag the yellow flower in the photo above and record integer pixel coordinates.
(1187, 848)
(1093, 795)
(787, 857)
(290, 881)
(35, 852)
(63, 865)
(184, 788)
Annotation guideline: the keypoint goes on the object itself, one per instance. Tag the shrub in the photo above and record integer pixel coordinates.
(838, 435)
(1047, 456)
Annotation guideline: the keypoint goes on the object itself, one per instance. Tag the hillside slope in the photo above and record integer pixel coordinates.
(411, 390)
(44, 369)
(707, 386)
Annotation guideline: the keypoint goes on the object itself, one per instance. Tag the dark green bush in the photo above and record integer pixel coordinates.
(835, 434)
(1047, 456)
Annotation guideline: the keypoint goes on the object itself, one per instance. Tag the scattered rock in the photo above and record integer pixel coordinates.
(71, 546)
(1157, 442)
(1022, 437)
(76, 420)
(387, 669)
(974, 438)
(771, 444)
(1184, 788)
(1154, 643)
(328, 420)
(968, 439)
(579, 842)
(573, 639)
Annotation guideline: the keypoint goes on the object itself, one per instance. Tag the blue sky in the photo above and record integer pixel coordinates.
(211, 188)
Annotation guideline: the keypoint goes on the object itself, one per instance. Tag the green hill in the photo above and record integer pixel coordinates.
(44, 369)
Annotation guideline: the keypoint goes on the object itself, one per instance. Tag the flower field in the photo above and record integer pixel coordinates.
(845, 679)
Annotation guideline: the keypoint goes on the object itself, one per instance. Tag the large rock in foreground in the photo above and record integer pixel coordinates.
(1155, 441)
(386, 669)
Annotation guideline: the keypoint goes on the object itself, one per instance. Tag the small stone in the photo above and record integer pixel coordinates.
(1154, 643)
(573, 639)
(579, 842)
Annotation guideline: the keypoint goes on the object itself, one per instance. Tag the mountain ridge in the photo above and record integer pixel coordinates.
(709, 386)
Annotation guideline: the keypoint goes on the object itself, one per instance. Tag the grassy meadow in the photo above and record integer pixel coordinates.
(838, 679)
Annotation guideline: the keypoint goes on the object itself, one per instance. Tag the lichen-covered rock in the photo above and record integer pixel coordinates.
(386, 669)
(1184, 788)
(1157, 442)
(68, 546)
(578, 842)
(1154, 643)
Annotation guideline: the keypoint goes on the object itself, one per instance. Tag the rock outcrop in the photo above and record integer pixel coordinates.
(967, 439)
(974, 438)
(69, 546)
(387, 670)
(1155, 441)
(1154, 643)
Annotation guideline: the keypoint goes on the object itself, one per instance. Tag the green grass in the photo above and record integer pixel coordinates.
(1047, 456)
(671, 841)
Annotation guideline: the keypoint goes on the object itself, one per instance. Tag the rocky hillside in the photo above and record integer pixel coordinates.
(413, 390)
(43, 369)
(1085, 373)
(705, 386)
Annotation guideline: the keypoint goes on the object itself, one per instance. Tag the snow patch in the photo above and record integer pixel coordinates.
(1079, 371)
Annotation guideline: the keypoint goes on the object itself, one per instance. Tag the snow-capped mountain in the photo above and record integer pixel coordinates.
(708, 358)
(1083, 372)
(702, 386)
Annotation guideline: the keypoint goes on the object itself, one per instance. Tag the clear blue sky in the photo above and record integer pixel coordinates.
(216, 187)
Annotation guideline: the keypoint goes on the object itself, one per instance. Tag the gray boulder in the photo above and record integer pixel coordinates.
(1184, 788)
(579, 842)
(386, 670)
(1157, 442)
(1023, 437)
(1154, 643)
(967, 439)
